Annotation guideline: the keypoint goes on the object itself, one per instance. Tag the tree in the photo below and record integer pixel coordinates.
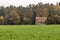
(13, 17)
(1, 20)
(2, 15)
(34, 17)
(21, 17)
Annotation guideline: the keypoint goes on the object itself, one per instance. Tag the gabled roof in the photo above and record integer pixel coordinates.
(41, 19)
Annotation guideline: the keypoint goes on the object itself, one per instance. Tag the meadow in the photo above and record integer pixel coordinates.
(29, 32)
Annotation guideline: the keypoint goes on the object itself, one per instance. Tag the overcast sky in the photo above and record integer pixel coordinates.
(24, 2)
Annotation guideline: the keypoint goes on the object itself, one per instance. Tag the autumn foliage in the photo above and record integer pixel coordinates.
(26, 15)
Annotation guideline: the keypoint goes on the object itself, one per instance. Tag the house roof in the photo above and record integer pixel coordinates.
(41, 19)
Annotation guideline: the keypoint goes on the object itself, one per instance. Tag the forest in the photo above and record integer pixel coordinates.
(13, 15)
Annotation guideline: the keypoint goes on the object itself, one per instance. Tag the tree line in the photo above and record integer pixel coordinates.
(26, 15)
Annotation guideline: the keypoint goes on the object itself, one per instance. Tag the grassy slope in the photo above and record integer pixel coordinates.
(30, 32)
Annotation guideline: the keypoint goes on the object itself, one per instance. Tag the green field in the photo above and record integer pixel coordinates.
(29, 32)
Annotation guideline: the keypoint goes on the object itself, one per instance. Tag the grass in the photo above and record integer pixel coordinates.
(29, 32)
